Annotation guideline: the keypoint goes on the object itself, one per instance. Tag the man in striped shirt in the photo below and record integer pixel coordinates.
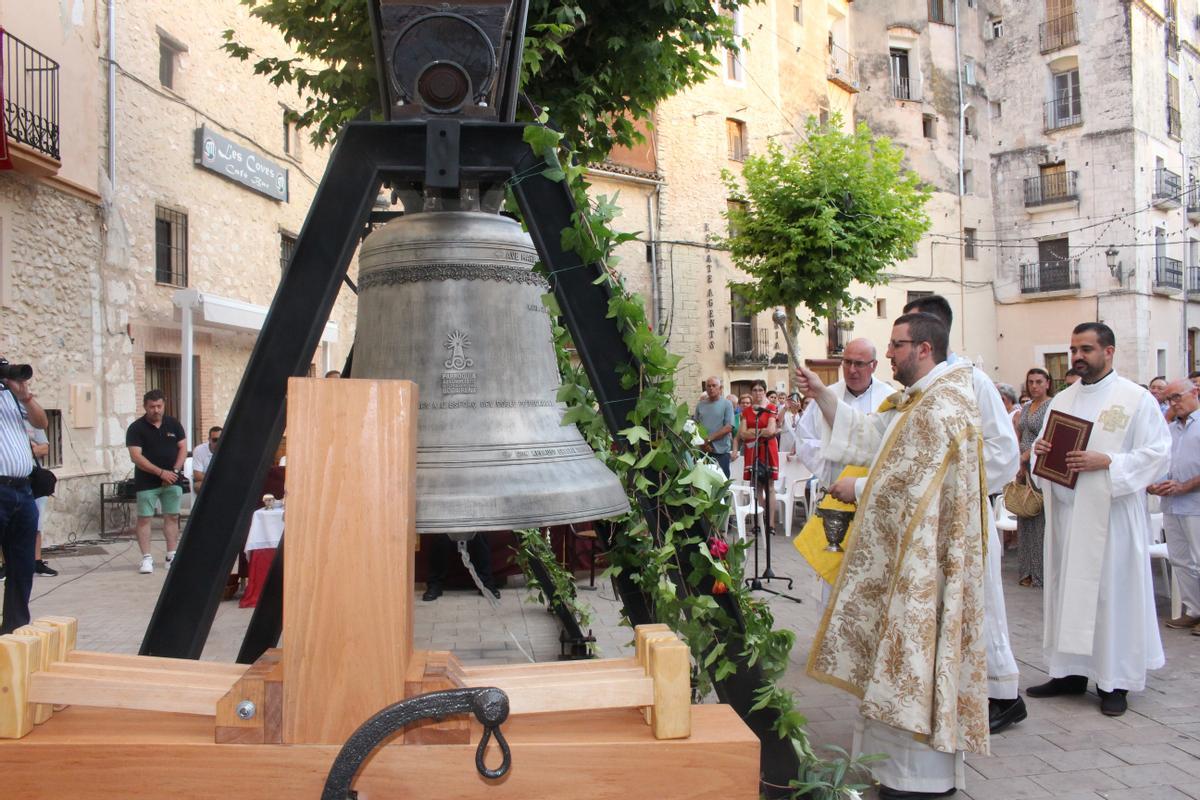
(18, 513)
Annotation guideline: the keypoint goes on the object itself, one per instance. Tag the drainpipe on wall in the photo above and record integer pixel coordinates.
(962, 117)
(188, 301)
(112, 95)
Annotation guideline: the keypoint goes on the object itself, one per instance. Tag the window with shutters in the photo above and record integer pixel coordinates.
(735, 132)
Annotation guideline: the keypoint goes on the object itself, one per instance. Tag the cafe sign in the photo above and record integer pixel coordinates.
(240, 165)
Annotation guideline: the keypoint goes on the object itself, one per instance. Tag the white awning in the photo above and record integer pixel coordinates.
(224, 313)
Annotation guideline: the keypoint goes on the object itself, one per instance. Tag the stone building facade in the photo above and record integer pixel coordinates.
(111, 236)
(1094, 163)
(918, 91)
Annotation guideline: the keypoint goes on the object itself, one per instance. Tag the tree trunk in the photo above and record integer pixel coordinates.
(793, 335)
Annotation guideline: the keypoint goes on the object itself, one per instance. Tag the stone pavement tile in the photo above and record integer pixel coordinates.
(1150, 734)
(1148, 774)
(1006, 789)
(1084, 741)
(1039, 725)
(1080, 759)
(1189, 764)
(815, 714)
(1089, 722)
(1146, 793)
(1188, 745)
(1087, 780)
(1010, 766)
(1191, 790)
(1136, 719)
(1142, 753)
(1031, 745)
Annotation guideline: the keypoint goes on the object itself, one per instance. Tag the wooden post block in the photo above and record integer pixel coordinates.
(645, 635)
(348, 577)
(68, 628)
(641, 633)
(47, 653)
(17, 657)
(671, 669)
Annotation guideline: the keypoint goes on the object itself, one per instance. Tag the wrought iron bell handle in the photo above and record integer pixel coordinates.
(488, 704)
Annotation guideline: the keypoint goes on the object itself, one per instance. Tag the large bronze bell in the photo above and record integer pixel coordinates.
(448, 299)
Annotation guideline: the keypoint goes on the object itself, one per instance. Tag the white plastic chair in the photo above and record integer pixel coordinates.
(743, 504)
(1158, 552)
(784, 505)
(804, 491)
(1005, 521)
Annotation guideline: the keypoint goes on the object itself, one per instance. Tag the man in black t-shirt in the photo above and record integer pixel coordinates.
(158, 447)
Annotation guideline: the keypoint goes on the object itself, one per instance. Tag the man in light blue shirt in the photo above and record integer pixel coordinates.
(18, 512)
(715, 415)
(1180, 494)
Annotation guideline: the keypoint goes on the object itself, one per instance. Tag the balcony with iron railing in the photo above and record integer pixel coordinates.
(906, 88)
(1051, 188)
(1172, 36)
(1168, 274)
(1174, 123)
(1050, 276)
(30, 97)
(843, 68)
(1193, 202)
(1168, 188)
(1055, 34)
(748, 346)
(1193, 280)
(1063, 111)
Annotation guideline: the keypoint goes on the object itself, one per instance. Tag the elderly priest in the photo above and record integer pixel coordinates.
(904, 628)
(1099, 615)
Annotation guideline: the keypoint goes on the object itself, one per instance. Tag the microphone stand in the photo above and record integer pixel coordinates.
(756, 582)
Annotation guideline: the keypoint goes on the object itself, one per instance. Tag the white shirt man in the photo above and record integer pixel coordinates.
(857, 389)
(1180, 493)
(1099, 614)
(202, 456)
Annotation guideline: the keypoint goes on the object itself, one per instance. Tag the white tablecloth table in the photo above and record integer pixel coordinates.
(266, 529)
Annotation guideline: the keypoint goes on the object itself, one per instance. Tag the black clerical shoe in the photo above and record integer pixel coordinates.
(1071, 684)
(1002, 713)
(888, 793)
(1113, 704)
(432, 592)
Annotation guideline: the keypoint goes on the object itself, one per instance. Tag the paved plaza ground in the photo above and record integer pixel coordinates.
(1066, 749)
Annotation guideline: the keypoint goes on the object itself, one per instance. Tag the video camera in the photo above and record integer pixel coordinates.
(14, 372)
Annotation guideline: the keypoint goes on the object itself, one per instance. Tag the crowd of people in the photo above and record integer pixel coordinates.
(915, 624)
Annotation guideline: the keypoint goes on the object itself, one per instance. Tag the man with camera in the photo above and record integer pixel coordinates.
(158, 447)
(18, 512)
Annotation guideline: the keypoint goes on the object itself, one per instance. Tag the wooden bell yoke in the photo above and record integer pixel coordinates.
(100, 725)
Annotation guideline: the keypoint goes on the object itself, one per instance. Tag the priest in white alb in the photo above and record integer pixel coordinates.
(904, 628)
(1099, 614)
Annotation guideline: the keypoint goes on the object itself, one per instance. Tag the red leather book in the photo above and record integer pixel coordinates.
(1065, 433)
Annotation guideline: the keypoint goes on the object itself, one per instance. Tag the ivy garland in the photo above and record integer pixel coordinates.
(659, 443)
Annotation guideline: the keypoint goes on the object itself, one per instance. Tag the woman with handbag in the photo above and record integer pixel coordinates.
(1031, 530)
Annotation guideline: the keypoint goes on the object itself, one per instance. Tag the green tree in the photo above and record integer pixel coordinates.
(596, 64)
(838, 209)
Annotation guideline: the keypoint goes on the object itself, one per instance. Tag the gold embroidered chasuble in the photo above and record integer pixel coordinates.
(903, 630)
